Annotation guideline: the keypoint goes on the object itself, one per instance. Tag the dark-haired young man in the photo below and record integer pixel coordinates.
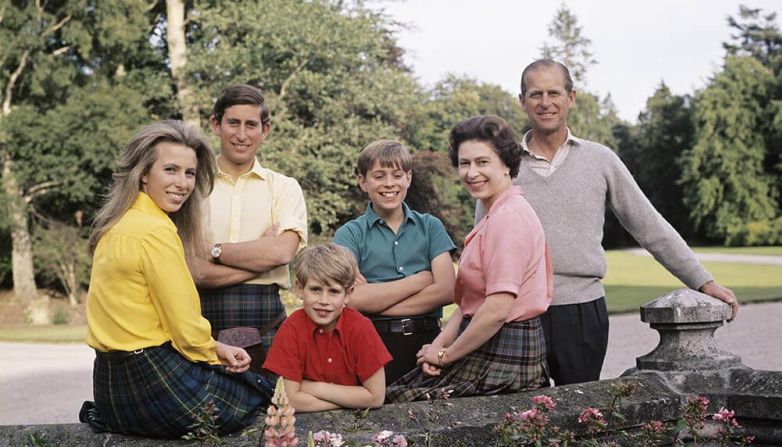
(257, 222)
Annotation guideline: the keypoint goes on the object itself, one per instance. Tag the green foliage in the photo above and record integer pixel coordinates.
(62, 257)
(570, 46)
(764, 232)
(723, 175)
(333, 80)
(665, 131)
(455, 99)
(38, 440)
(593, 119)
(758, 36)
(436, 190)
(204, 427)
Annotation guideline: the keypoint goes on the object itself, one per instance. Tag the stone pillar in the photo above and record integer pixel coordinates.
(686, 320)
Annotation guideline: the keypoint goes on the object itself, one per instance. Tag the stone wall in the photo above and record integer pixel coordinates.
(685, 363)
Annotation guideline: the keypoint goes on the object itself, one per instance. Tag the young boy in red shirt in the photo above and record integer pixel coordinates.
(329, 355)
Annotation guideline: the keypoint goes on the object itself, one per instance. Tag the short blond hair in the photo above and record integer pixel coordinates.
(390, 154)
(326, 263)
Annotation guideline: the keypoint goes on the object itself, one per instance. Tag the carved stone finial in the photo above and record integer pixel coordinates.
(686, 320)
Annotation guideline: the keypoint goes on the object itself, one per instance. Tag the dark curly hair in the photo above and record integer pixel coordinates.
(489, 129)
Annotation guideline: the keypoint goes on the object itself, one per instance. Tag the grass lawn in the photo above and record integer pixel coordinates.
(633, 280)
(62, 333)
(775, 251)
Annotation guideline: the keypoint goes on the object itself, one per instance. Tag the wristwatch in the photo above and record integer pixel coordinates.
(216, 252)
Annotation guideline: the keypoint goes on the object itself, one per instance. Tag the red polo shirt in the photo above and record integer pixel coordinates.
(350, 355)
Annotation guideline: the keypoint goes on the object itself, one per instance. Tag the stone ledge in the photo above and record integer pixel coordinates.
(452, 423)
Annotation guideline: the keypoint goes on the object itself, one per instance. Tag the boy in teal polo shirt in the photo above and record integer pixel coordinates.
(404, 258)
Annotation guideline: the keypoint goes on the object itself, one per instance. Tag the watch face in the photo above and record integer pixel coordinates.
(216, 251)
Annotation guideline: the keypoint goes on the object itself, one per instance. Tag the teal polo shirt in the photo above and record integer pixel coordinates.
(383, 255)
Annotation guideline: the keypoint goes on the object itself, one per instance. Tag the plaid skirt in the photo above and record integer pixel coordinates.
(513, 360)
(242, 305)
(157, 392)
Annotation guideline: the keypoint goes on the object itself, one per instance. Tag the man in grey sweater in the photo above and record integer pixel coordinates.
(568, 182)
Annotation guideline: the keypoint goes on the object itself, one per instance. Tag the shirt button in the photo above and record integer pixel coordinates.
(396, 242)
(329, 360)
(320, 331)
(401, 269)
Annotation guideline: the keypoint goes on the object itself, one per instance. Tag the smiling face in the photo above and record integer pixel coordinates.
(241, 134)
(546, 100)
(172, 177)
(386, 187)
(323, 301)
(482, 172)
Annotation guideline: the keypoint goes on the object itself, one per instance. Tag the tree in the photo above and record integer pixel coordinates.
(74, 86)
(570, 46)
(593, 119)
(758, 36)
(665, 131)
(455, 99)
(177, 56)
(723, 174)
(30, 50)
(333, 80)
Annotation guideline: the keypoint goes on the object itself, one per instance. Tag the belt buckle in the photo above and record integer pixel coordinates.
(138, 351)
(403, 322)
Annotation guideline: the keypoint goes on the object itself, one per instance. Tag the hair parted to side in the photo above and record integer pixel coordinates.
(489, 129)
(327, 263)
(390, 154)
(546, 63)
(136, 160)
(240, 94)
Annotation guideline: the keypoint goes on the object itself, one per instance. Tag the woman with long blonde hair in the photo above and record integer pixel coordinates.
(156, 363)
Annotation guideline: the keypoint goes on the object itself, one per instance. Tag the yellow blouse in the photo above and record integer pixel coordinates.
(141, 292)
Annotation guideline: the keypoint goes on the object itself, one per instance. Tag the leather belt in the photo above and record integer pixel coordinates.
(119, 356)
(407, 326)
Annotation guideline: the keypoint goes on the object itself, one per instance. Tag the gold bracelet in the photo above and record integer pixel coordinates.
(440, 355)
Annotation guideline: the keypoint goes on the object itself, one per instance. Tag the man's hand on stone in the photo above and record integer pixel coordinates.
(715, 290)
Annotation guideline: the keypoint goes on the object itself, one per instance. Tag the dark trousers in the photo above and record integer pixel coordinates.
(403, 349)
(577, 340)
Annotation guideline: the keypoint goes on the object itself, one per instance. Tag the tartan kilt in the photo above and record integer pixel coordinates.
(155, 393)
(242, 305)
(513, 360)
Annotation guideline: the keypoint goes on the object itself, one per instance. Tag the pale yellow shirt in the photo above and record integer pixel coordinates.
(141, 292)
(243, 210)
(539, 164)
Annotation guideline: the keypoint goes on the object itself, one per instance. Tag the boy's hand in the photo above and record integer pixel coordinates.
(235, 360)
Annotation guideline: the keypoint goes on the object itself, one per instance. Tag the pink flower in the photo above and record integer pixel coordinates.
(324, 438)
(724, 415)
(654, 426)
(529, 414)
(387, 438)
(701, 402)
(544, 401)
(590, 415)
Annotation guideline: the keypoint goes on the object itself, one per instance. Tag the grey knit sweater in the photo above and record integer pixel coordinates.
(571, 206)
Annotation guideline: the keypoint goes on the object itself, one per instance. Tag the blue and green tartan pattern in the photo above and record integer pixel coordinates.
(156, 393)
(242, 305)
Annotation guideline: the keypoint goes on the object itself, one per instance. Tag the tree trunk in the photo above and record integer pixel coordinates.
(177, 55)
(25, 289)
